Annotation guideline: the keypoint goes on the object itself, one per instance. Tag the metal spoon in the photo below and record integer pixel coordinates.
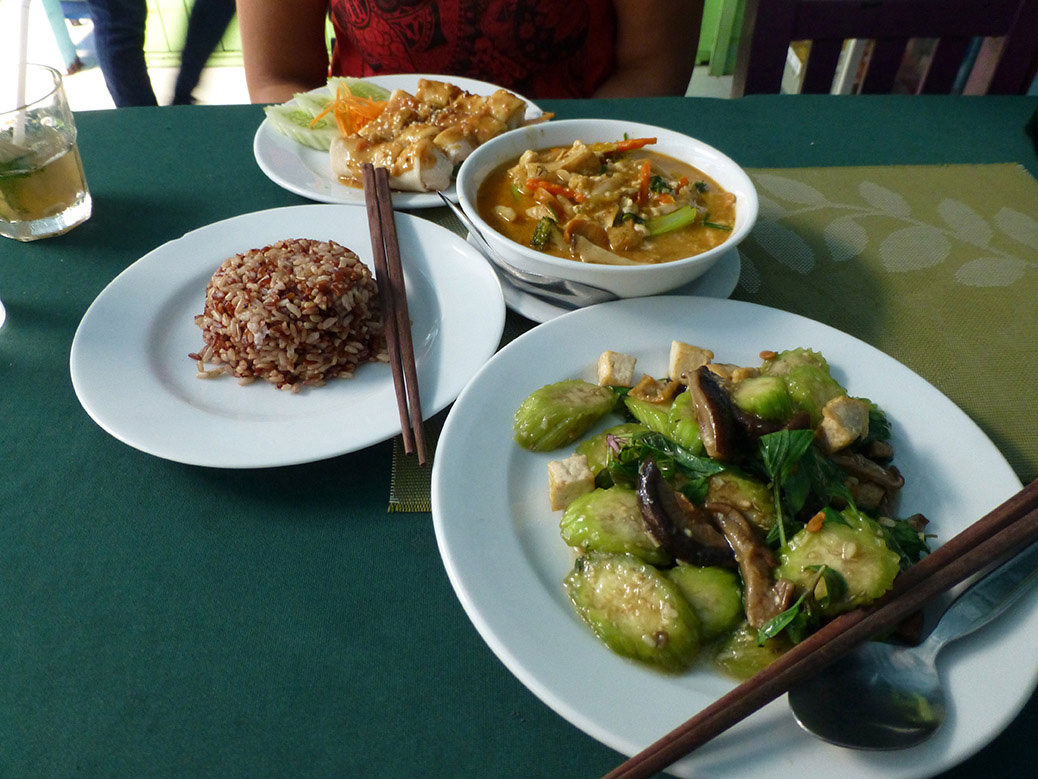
(561, 292)
(886, 697)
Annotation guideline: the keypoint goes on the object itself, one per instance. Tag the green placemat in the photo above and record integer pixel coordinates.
(410, 483)
(935, 265)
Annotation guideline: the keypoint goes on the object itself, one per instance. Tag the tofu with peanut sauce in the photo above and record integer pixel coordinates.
(421, 138)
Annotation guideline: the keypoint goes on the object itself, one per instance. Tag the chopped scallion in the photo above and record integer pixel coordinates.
(675, 220)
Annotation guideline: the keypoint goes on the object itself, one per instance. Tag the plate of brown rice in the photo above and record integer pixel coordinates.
(188, 353)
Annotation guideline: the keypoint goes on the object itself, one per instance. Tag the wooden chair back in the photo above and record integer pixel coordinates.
(1006, 62)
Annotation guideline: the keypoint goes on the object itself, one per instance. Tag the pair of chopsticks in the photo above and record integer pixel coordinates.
(1006, 530)
(390, 276)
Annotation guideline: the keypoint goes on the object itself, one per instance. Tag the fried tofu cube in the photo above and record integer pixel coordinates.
(568, 479)
(844, 421)
(685, 359)
(616, 369)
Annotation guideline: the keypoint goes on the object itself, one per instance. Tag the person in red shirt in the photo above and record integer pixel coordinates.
(538, 48)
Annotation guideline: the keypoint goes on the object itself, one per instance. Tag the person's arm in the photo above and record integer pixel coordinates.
(656, 45)
(283, 47)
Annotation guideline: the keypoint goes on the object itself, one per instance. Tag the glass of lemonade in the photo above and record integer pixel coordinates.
(43, 191)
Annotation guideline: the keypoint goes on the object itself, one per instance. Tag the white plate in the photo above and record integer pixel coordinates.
(308, 172)
(502, 550)
(131, 370)
(718, 282)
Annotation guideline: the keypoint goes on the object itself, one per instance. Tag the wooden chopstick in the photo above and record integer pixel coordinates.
(1006, 530)
(390, 273)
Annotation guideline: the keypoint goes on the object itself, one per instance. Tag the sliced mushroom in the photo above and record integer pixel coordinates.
(764, 597)
(725, 428)
(581, 225)
(674, 521)
(879, 451)
(722, 438)
(864, 469)
(756, 426)
(587, 251)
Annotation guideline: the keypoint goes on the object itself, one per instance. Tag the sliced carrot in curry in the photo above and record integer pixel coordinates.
(554, 189)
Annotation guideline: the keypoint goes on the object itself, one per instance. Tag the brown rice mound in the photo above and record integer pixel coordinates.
(298, 312)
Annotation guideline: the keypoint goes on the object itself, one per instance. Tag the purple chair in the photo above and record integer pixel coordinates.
(985, 47)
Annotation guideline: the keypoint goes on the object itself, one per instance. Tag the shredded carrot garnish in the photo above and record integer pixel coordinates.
(351, 111)
(555, 189)
(629, 144)
(615, 147)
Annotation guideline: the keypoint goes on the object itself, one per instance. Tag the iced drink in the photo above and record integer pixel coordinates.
(43, 191)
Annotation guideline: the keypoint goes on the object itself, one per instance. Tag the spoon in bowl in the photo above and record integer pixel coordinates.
(883, 696)
(562, 292)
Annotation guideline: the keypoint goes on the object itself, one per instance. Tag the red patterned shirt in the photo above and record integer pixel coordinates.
(538, 48)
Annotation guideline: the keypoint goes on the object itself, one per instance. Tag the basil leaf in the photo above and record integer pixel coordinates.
(834, 516)
(696, 490)
(904, 539)
(780, 622)
(879, 425)
(828, 480)
(780, 453)
(782, 450)
(835, 584)
(692, 465)
(797, 488)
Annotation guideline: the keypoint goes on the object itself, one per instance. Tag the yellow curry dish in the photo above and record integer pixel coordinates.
(610, 203)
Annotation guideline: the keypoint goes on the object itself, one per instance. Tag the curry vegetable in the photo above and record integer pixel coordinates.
(617, 203)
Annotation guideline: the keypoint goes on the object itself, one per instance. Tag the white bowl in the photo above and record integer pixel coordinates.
(625, 281)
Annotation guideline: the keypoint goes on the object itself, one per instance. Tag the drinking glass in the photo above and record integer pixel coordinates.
(43, 191)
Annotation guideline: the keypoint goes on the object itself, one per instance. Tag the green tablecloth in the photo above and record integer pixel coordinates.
(158, 619)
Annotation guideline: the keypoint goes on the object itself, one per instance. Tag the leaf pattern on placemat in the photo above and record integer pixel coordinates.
(991, 272)
(791, 189)
(845, 238)
(785, 246)
(914, 247)
(749, 275)
(884, 200)
(1019, 227)
(965, 222)
(802, 222)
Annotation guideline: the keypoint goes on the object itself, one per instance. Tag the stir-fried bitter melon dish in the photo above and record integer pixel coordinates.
(610, 203)
(731, 510)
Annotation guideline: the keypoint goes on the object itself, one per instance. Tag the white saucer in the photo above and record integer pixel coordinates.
(718, 282)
